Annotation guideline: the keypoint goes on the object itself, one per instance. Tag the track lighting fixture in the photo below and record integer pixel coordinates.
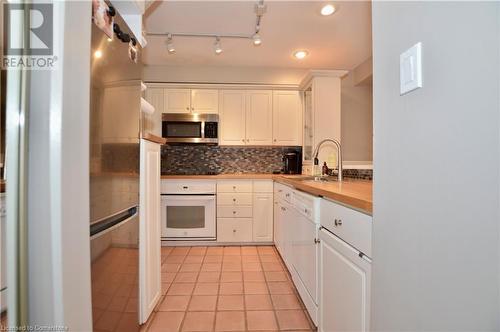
(217, 47)
(259, 9)
(170, 44)
(257, 41)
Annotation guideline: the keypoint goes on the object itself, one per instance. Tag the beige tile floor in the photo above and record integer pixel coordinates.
(227, 289)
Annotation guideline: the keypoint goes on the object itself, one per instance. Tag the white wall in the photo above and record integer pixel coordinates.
(211, 74)
(357, 120)
(436, 165)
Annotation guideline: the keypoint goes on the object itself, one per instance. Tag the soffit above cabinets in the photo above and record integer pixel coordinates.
(339, 41)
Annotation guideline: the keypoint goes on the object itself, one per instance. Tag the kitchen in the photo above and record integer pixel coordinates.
(227, 165)
(224, 153)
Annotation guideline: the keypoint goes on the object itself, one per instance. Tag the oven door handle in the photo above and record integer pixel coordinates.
(188, 197)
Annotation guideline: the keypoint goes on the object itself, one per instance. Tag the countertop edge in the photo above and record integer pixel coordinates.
(355, 203)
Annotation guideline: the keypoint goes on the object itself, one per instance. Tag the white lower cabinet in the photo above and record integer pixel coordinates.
(149, 229)
(244, 211)
(332, 275)
(234, 229)
(263, 217)
(344, 281)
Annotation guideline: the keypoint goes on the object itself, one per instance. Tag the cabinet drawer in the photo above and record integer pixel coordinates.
(232, 186)
(282, 192)
(187, 186)
(352, 226)
(307, 205)
(262, 186)
(234, 211)
(234, 230)
(234, 199)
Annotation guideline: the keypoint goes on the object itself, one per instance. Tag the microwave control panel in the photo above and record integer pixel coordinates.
(210, 129)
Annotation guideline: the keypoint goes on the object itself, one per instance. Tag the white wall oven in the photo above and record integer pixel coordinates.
(188, 210)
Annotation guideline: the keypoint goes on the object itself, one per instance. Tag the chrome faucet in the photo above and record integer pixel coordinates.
(339, 154)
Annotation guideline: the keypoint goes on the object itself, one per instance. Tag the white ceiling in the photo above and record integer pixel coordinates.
(339, 41)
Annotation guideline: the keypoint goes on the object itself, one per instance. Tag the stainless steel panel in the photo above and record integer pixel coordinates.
(115, 276)
(114, 183)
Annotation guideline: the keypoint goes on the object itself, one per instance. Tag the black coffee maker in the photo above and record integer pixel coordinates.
(292, 162)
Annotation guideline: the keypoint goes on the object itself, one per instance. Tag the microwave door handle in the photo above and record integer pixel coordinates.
(202, 129)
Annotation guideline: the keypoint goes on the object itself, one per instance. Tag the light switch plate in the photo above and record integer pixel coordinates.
(410, 69)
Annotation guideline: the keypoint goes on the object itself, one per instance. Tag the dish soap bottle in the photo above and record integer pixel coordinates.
(324, 169)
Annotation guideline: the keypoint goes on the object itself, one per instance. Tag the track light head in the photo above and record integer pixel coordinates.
(217, 46)
(257, 41)
(170, 44)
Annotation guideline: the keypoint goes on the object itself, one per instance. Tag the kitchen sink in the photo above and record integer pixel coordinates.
(318, 178)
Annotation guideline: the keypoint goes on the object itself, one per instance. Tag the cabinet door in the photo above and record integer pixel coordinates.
(345, 287)
(259, 117)
(308, 127)
(305, 253)
(287, 118)
(234, 230)
(262, 217)
(156, 97)
(232, 117)
(177, 101)
(287, 217)
(276, 225)
(149, 229)
(204, 101)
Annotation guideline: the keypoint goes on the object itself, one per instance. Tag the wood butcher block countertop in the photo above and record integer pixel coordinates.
(351, 192)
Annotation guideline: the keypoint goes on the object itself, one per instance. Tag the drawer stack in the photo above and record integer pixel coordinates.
(234, 211)
(244, 211)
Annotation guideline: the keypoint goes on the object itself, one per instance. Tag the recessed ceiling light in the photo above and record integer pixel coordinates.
(300, 54)
(257, 41)
(328, 10)
(98, 54)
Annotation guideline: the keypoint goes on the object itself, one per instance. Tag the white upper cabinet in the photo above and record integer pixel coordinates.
(232, 117)
(259, 116)
(287, 118)
(177, 101)
(204, 101)
(246, 117)
(190, 101)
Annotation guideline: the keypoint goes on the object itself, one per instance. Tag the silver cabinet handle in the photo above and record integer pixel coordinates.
(316, 241)
(338, 222)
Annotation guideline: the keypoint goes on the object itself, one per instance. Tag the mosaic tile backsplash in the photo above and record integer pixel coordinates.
(199, 159)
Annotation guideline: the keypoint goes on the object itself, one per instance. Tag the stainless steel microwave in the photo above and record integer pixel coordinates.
(190, 128)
